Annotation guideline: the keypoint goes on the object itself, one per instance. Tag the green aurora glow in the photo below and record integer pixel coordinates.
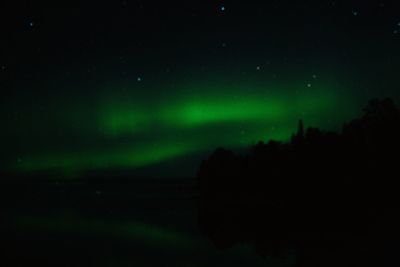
(157, 87)
(123, 129)
(150, 235)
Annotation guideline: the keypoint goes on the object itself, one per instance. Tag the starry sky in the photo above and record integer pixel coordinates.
(154, 86)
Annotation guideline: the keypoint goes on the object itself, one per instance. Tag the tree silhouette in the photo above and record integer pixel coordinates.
(330, 197)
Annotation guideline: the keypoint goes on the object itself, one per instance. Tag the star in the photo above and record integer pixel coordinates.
(314, 76)
(223, 8)
(139, 79)
(355, 12)
(258, 68)
(31, 24)
(309, 85)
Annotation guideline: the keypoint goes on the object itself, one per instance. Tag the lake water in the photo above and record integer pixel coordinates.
(103, 223)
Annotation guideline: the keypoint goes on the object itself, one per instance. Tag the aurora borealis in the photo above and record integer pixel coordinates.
(135, 85)
(135, 133)
(108, 108)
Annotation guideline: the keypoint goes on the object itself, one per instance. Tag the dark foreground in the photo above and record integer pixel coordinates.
(332, 198)
(103, 223)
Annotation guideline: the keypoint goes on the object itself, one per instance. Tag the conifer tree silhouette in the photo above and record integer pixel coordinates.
(330, 197)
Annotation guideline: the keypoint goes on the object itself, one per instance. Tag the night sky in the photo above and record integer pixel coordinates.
(156, 85)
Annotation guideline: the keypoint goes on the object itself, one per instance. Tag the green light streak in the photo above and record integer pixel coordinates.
(136, 131)
(195, 112)
(150, 235)
(132, 158)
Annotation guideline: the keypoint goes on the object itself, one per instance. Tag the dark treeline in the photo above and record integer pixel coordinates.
(330, 198)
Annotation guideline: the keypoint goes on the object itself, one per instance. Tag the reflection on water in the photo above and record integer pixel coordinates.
(112, 224)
